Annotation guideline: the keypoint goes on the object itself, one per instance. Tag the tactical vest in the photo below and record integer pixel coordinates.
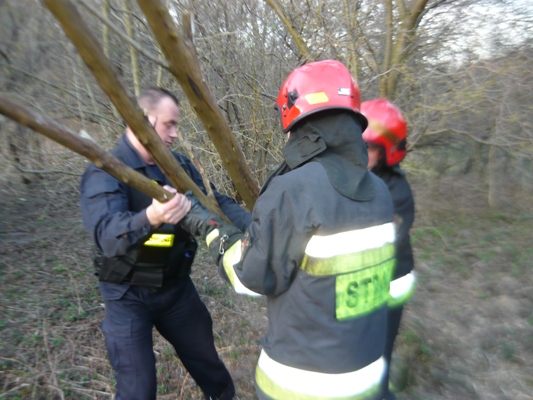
(167, 254)
(164, 256)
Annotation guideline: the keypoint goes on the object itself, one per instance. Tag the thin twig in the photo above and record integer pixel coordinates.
(44, 171)
(183, 386)
(55, 384)
(120, 33)
(80, 308)
(24, 385)
(39, 79)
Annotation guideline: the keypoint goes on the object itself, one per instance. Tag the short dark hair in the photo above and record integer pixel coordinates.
(150, 97)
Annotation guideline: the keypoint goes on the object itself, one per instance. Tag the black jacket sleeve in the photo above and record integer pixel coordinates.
(404, 215)
(276, 238)
(106, 215)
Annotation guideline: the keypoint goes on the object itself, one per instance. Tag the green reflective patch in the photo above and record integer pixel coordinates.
(361, 292)
(345, 263)
(160, 240)
(275, 391)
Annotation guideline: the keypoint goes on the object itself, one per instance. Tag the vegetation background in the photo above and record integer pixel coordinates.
(459, 70)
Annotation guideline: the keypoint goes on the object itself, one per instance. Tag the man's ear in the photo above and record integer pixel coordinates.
(152, 120)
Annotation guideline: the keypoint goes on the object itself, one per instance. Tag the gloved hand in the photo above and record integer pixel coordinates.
(199, 221)
(219, 235)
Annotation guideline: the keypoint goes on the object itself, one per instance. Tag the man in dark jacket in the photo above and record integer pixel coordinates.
(386, 138)
(320, 247)
(143, 260)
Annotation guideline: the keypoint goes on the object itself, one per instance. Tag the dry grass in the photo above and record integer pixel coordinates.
(467, 334)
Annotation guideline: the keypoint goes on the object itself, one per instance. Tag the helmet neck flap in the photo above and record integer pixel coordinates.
(333, 138)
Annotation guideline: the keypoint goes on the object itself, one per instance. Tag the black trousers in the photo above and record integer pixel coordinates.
(178, 313)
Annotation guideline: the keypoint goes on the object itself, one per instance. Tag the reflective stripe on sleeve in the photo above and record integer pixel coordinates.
(283, 382)
(402, 289)
(231, 257)
(214, 234)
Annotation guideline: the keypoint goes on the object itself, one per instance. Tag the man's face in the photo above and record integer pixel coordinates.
(374, 155)
(165, 118)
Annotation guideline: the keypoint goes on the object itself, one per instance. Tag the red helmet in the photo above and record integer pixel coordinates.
(317, 86)
(386, 128)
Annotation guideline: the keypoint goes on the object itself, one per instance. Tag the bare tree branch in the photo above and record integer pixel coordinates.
(107, 22)
(196, 161)
(296, 36)
(133, 51)
(33, 76)
(43, 171)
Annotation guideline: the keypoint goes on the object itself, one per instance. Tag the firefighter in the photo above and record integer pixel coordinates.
(143, 260)
(320, 247)
(386, 138)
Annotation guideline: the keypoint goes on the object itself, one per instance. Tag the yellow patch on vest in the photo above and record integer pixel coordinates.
(160, 240)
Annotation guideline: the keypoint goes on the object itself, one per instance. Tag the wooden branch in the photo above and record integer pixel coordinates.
(5, 57)
(80, 35)
(105, 41)
(296, 37)
(415, 12)
(181, 55)
(84, 147)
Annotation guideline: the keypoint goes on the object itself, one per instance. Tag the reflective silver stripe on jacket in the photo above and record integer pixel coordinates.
(351, 241)
(349, 251)
(283, 382)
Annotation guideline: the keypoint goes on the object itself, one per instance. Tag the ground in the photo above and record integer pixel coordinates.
(466, 334)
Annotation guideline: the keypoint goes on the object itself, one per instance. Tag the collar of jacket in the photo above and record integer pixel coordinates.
(393, 169)
(282, 169)
(129, 154)
(334, 139)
